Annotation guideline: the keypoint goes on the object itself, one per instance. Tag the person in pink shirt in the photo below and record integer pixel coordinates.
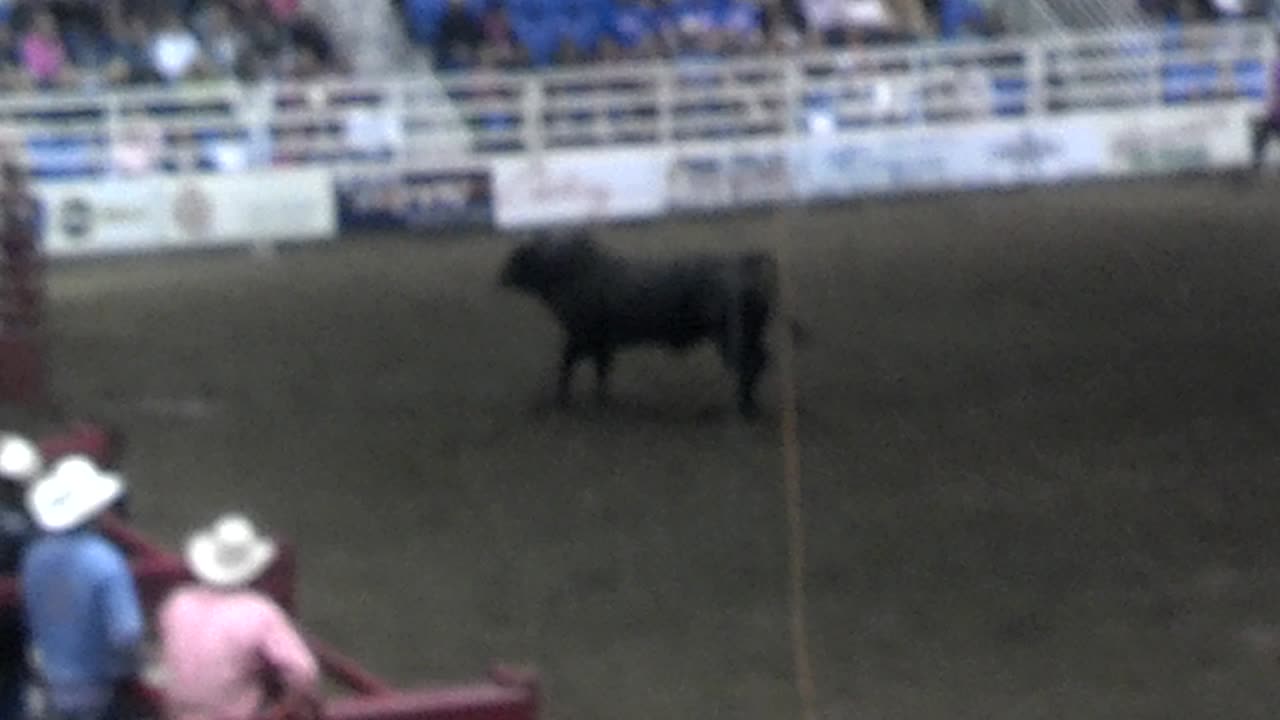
(220, 640)
(43, 55)
(284, 11)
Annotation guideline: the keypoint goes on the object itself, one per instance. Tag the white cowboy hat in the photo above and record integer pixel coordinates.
(20, 459)
(229, 554)
(75, 492)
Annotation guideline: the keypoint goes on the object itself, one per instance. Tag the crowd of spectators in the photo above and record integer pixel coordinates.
(46, 44)
(1177, 12)
(541, 33)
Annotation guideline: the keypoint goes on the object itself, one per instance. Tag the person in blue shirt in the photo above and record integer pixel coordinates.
(81, 605)
(20, 463)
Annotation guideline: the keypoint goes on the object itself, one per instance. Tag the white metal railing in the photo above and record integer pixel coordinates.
(456, 120)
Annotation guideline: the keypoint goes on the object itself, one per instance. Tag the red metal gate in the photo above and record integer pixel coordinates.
(22, 358)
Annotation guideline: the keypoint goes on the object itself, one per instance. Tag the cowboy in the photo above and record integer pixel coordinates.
(103, 442)
(20, 464)
(220, 640)
(81, 604)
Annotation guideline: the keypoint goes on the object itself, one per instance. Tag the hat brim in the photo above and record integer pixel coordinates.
(83, 505)
(202, 560)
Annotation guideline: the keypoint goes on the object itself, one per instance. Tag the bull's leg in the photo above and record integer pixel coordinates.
(573, 351)
(751, 364)
(604, 364)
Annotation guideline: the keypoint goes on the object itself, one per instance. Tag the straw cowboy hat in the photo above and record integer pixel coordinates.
(75, 492)
(20, 459)
(231, 553)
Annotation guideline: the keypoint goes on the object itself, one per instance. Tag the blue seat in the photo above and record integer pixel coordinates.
(1010, 96)
(1251, 79)
(537, 27)
(957, 15)
(585, 22)
(63, 157)
(1184, 81)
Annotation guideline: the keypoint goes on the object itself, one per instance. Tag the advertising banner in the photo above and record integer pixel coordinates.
(414, 199)
(160, 211)
(256, 206)
(581, 186)
(89, 217)
(729, 178)
(1179, 140)
(698, 181)
(832, 167)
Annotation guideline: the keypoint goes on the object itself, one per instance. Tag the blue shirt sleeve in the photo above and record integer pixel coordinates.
(125, 622)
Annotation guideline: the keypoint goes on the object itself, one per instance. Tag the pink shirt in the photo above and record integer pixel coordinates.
(43, 57)
(283, 10)
(212, 647)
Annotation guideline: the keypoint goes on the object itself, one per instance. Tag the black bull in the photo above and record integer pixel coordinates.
(605, 302)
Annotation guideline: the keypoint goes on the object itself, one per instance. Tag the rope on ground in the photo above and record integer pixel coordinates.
(789, 427)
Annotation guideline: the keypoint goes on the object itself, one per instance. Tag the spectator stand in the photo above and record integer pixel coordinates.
(350, 123)
(353, 124)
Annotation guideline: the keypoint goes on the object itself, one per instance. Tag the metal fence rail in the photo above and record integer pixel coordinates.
(461, 119)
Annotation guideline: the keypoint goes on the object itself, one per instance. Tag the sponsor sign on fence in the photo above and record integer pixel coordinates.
(956, 157)
(413, 199)
(729, 177)
(573, 187)
(259, 206)
(98, 218)
(1179, 140)
(133, 215)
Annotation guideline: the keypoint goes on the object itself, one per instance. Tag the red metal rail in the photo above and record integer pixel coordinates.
(507, 694)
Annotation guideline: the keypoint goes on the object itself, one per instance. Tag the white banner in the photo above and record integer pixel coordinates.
(1200, 138)
(87, 217)
(956, 157)
(159, 212)
(266, 206)
(575, 187)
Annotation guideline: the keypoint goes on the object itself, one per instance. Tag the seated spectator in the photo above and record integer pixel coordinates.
(641, 28)
(962, 19)
(11, 74)
(216, 635)
(302, 63)
(175, 51)
(783, 24)
(422, 20)
(536, 29)
(20, 463)
(44, 57)
(581, 24)
(128, 59)
(742, 23)
(461, 35)
(499, 46)
(225, 45)
(839, 22)
(265, 41)
(307, 32)
(78, 594)
(284, 12)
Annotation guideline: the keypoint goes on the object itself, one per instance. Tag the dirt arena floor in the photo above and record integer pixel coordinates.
(1041, 457)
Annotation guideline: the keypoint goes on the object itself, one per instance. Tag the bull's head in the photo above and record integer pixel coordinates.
(539, 264)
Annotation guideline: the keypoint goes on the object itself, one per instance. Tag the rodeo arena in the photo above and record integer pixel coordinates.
(638, 359)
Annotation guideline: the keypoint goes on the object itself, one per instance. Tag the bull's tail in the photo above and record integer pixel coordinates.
(800, 333)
